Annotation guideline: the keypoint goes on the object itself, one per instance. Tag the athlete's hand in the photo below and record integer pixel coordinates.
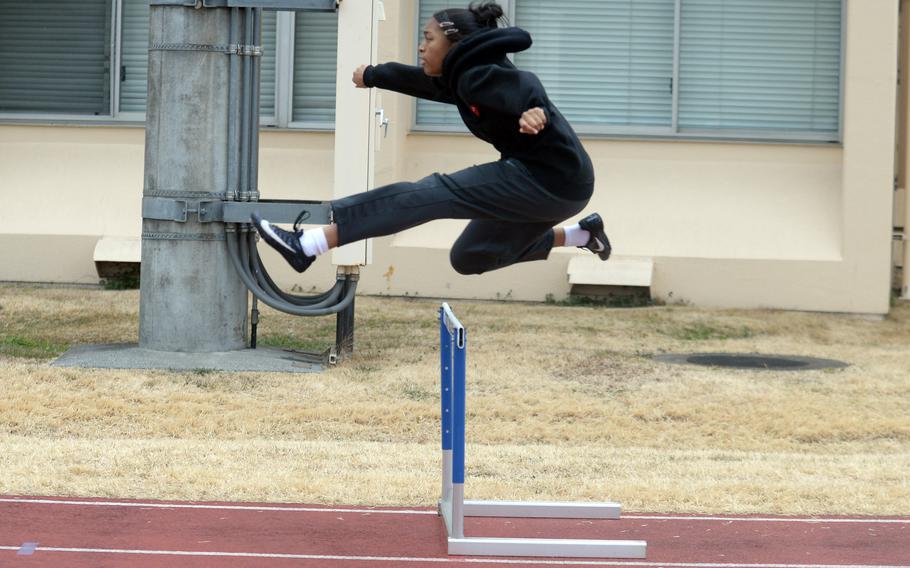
(358, 77)
(532, 121)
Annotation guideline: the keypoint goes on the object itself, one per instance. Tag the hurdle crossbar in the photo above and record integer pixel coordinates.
(454, 508)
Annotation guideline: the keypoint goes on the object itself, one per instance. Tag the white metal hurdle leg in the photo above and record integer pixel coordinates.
(452, 506)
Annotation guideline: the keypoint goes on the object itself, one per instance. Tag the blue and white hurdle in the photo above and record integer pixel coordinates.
(453, 507)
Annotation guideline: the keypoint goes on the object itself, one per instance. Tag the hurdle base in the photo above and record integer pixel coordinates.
(542, 509)
(547, 547)
(544, 547)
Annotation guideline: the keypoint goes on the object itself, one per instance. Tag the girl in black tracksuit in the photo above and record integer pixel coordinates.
(544, 175)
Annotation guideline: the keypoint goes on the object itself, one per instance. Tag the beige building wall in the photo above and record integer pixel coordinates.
(727, 224)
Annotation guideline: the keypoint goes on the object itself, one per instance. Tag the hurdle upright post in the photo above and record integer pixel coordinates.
(445, 413)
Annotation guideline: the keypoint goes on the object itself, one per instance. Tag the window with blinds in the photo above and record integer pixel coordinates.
(56, 57)
(134, 46)
(267, 67)
(771, 65)
(603, 62)
(315, 62)
(729, 68)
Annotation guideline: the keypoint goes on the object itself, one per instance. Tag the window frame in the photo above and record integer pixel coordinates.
(598, 131)
(284, 81)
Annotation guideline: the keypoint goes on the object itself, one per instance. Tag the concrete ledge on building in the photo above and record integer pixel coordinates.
(118, 257)
(618, 271)
(620, 281)
(118, 249)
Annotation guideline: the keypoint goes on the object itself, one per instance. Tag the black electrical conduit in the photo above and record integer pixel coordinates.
(265, 281)
(239, 252)
(325, 300)
(240, 238)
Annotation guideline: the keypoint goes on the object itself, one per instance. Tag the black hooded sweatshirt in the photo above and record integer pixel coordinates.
(491, 95)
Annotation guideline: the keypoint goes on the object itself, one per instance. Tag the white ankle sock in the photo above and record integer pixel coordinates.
(314, 242)
(576, 236)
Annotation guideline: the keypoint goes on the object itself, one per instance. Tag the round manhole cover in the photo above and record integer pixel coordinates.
(752, 361)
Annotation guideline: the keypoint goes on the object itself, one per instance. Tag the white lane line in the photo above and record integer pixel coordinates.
(218, 507)
(366, 510)
(399, 559)
(766, 519)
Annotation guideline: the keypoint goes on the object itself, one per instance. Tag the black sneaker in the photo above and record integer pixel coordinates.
(285, 242)
(599, 244)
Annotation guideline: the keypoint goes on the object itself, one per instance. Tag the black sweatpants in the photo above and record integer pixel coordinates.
(512, 213)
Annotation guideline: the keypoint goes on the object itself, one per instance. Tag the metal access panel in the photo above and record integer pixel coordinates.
(355, 116)
(289, 5)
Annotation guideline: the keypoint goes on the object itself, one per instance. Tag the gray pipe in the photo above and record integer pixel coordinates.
(233, 108)
(241, 242)
(245, 110)
(254, 134)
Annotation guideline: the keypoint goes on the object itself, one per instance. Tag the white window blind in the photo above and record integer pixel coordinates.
(267, 65)
(134, 45)
(430, 112)
(315, 59)
(603, 62)
(55, 56)
(770, 65)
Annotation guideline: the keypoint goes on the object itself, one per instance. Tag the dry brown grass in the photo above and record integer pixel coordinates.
(563, 402)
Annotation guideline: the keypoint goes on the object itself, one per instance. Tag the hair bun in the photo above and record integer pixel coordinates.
(487, 14)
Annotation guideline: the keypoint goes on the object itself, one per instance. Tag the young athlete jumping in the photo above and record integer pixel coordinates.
(543, 177)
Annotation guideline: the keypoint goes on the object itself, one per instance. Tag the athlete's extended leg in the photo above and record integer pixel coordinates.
(503, 191)
(382, 211)
(487, 245)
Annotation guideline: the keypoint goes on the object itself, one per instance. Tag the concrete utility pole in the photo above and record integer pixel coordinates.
(191, 297)
(199, 254)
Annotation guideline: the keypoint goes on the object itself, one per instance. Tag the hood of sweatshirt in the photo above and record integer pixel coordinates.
(484, 47)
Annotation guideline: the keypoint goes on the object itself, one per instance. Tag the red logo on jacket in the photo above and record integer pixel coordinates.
(475, 111)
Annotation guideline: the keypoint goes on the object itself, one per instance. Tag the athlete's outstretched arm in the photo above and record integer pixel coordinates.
(405, 79)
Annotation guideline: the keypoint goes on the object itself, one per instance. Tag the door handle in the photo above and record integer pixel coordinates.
(383, 121)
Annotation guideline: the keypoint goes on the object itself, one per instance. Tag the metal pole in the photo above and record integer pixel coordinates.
(458, 432)
(245, 105)
(344, 325)
(254, 139)
(445, 412)
(191, 298)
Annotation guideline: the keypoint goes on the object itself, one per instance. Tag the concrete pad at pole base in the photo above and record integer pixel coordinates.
(131, 356)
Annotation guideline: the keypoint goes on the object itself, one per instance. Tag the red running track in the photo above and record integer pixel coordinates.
(77, 533)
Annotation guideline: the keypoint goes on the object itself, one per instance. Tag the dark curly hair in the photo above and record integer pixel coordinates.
(457, 23)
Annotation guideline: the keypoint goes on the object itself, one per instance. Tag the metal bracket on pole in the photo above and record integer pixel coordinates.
(289, 5)
(212, 211)
(164, 209)
(233, 49)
